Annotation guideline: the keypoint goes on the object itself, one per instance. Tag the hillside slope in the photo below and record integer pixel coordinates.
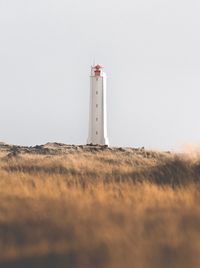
(89, 206)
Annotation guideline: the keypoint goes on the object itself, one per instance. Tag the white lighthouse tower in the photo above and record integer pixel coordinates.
(98, 115)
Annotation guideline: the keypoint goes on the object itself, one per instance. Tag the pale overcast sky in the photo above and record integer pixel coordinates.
(150, 50)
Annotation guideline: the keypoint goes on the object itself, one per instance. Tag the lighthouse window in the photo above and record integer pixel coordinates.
(96, 118)
(96, 92)
(96, 105)
(96, 132)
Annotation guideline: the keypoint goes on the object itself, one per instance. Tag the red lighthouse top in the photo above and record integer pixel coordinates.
(98, 66)
(97, 70)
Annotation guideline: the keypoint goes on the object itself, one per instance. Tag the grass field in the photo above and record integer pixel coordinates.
(99, 208)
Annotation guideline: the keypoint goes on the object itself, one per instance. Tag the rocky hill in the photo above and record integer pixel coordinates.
(61, 149)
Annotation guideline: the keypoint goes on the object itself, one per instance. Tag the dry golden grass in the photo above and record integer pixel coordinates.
(109, 209)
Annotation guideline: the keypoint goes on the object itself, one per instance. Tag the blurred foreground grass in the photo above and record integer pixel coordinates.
(111, 209)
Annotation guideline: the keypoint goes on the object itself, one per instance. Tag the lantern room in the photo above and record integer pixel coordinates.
(97, 70)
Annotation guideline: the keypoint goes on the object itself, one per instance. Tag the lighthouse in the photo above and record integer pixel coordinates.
(98, 114)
